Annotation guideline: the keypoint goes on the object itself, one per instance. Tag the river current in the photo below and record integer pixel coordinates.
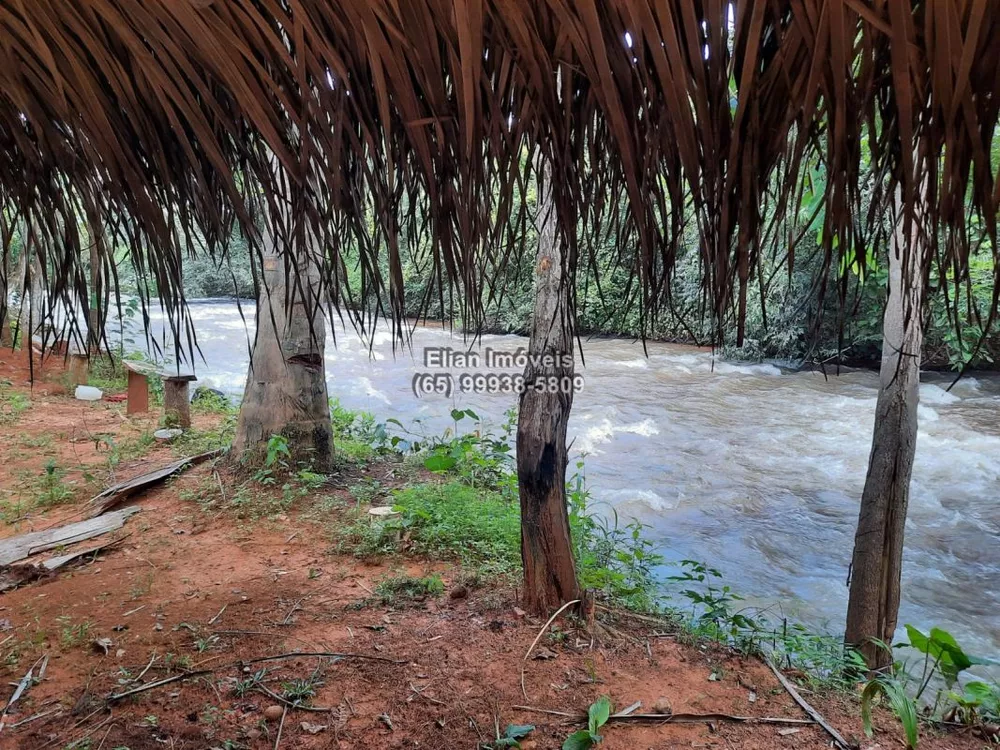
(756, 470)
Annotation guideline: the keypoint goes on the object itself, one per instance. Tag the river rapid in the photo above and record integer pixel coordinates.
(753, 469)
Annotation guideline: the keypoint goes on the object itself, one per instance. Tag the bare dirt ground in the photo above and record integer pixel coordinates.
(196, 596)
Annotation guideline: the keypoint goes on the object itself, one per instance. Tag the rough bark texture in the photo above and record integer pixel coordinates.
(873, 606)
(546, 548)
(31, 312)
(6, 338)
(177, 403)
(96, 320)
(286, 387)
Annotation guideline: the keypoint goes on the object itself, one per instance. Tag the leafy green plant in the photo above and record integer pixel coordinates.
(300, 691)
(404, 589)
(247, 685)
(614, 559)
(511, 737)
(478, 457)
(597, 717)
(942, 654)
(73, 634)
(902, 705)
(978, 702)
(714, 611)
(54, 490)
(12, 404)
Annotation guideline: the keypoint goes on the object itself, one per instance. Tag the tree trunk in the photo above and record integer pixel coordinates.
(873, 606)
(6, 339)
(546, 549)
(31, 312)
(96, 319)
(286, 386)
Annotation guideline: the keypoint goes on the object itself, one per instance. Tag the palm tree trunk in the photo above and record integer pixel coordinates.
(286, 390)
(6, 339)
(31, 311)
(876, 567)
(546, 548)
(96, 320)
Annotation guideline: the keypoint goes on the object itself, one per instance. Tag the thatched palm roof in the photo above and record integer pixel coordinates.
(172, 123)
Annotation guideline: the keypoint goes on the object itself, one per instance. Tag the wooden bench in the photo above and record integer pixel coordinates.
(176, 398)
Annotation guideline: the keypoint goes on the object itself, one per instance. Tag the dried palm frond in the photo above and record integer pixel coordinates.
(364, 130)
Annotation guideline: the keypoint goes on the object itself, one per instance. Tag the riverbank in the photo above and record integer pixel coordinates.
(218, 570)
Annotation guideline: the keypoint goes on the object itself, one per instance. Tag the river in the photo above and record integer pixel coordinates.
(754, 470)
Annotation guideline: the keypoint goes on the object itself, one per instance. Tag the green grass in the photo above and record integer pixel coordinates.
(401, 590)
(12, 404)
(450, 521)
(195, 441)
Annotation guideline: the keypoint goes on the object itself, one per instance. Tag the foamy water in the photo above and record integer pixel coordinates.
(757, 471)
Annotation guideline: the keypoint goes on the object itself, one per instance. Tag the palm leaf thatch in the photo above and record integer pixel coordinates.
(166, 128)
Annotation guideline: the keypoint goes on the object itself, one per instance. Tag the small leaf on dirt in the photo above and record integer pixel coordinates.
(518, 731)
(101, 645)
(384, 718)
(544, 654)
(581, 740)
(752, 697)
(787, 732)
(312, 728)
(715, 676)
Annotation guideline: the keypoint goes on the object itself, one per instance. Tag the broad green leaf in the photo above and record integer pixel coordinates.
(439, 463)
(457, 414)
(900, 703)
(599, 712)
(582, 740)
(518, 731)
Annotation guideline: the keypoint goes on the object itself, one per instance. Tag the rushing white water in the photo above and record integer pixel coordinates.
(756, 471)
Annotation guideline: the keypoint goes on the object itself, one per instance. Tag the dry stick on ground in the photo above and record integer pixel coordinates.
(538, 637)
(242, 662)
(292, 704)
(218, 615)
(296, 654)
(281, 725)
(148, 667)
(812, 712)
(295, 608)
(684, 718)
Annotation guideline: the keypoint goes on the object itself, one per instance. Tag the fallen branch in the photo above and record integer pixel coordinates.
(159, 683)
(292, 704)
(812, 712)
(281, 726)
(330, 654)
(218, 615)
(243, 662)
(538, 637)
(35, 718)
(685, 718)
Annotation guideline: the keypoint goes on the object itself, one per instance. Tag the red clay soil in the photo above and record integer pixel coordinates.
(195, 594)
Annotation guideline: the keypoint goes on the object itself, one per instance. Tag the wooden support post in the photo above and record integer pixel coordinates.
(177, 401)
(138, 393)
(78, 369)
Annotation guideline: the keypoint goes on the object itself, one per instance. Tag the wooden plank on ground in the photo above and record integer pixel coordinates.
(119, 493)
(24, 546)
